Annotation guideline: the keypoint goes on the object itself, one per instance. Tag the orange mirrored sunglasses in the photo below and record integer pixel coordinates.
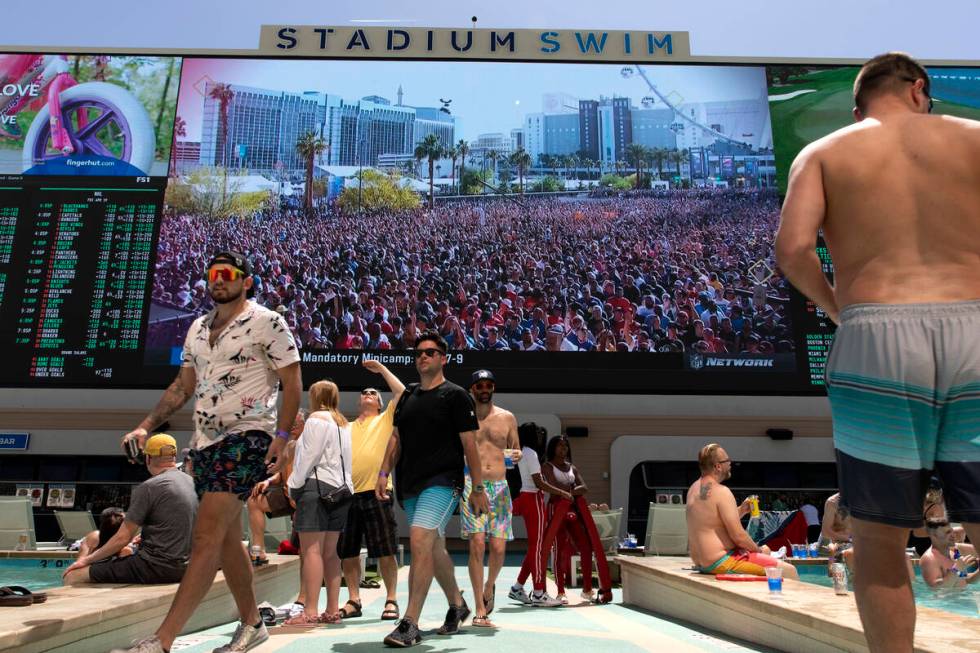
(228, 274)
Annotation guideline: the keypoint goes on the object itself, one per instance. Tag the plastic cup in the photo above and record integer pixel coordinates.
(796, 551)
(811, 551)
(508, 462)
(774, 575)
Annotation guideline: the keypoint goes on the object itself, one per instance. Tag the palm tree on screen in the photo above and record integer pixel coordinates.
(224, 95)
(431, 150)
(309, 147)
(521, 160)
(462, 149)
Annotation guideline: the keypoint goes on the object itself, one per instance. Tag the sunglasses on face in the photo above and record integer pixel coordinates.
(228, 274)
(369, 392)
(431, 352)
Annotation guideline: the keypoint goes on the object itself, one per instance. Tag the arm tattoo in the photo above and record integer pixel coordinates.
(173, 398)
(705, 491)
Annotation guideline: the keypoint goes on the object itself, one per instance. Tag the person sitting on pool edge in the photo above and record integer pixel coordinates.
(109, 522)
(718, 543)
(164, 506)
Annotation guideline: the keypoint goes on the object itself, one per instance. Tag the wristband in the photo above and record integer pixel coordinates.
(383, 474)
(280, 433)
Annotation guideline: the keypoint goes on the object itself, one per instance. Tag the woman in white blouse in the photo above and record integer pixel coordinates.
(321, 465)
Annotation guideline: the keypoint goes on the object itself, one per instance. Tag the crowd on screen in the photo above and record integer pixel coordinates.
(635, 273)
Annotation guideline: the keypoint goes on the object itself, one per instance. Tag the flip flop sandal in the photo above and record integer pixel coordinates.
(10, 598)
(258, 562)
(488, 604)
(356, 612)
(39, 597)
(325, 618)
(302, 621)
(370, 584)
(483, 622)
(390, 614)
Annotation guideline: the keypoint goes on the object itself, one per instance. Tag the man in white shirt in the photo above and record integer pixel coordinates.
(234, 360)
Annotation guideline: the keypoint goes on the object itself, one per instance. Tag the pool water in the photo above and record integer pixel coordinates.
(965, 602)
(33, 573)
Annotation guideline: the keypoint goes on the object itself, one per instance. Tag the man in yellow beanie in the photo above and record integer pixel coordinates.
(164, 507)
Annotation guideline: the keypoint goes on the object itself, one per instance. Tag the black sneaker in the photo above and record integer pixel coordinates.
(405, 635)
(456, 615)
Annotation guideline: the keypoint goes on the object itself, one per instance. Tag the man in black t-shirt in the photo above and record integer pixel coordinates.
(435, 432)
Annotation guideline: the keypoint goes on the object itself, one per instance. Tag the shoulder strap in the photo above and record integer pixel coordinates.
(406, 393)
(340, 444)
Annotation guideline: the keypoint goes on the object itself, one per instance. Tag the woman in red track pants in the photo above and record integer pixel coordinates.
(564, 476)
(530, 505)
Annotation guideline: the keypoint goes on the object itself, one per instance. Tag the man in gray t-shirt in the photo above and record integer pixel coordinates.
(164, 507)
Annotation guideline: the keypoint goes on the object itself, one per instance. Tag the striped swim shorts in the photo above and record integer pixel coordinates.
(904, 388)
(432, 508)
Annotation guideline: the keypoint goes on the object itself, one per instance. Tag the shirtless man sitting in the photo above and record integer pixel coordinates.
(897, 196)
(718, 543)
(835, 529)
(939, 564)
(496, 438)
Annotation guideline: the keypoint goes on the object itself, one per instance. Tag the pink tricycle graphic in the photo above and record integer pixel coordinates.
(93, 123)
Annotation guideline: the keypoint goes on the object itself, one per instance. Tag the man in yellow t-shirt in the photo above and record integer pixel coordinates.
(368, 518)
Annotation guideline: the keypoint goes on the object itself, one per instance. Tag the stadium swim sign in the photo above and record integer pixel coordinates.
(517, 44)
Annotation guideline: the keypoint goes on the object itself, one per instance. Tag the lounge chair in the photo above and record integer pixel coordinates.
(16, 522)
(666, 530)
(74, 525)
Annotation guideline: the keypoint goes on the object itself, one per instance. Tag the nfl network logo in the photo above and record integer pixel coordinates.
(696, 361)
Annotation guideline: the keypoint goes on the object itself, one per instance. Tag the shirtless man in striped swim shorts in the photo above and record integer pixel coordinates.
(897, 196)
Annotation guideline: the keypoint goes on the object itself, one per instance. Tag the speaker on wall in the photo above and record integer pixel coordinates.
(577, 431)
(780, 434)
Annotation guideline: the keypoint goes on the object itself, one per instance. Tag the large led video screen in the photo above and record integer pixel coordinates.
(575, 227)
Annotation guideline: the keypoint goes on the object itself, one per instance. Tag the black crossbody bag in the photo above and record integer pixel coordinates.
(332, 497)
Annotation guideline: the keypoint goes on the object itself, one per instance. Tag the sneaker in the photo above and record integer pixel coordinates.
(246, 637)
(456, 615)
(405, 635)
(543, 601)
(517, 593)
(148, 645)
(561, 598)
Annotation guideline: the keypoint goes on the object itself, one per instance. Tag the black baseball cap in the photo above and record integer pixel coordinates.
(482, 375)
(237, 259)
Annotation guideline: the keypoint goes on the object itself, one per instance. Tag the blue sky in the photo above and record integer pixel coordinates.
(486, 97)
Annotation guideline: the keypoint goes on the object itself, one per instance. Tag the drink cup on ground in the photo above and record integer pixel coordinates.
(774, 575)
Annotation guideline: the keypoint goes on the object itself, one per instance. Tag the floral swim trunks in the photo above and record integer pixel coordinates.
(498, 522)
(235, 464)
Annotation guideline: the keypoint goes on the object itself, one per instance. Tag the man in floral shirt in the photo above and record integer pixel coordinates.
(234, 360)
